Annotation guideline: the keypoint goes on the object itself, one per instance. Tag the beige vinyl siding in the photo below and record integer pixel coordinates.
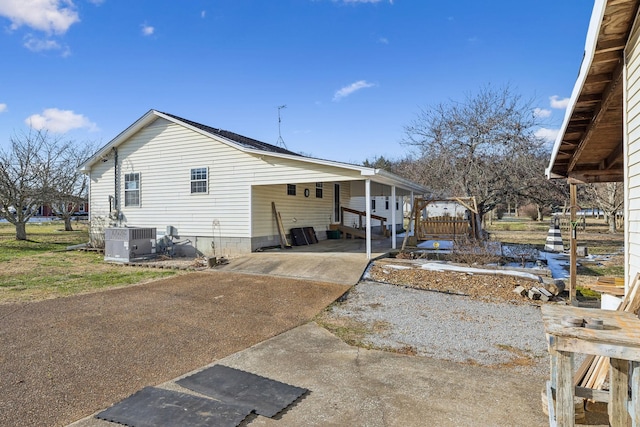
(296, 211)
(164, 153)
(632, 153)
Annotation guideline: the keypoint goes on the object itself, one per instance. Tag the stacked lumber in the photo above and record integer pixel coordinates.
(594, 371)
(608, 285)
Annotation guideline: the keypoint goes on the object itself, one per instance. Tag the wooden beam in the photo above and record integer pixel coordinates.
(591, 176)
(599, 78)
(607, 98)
(573, 254)
(607, 56)
(612, 158)
(591, 98)
(610, 46)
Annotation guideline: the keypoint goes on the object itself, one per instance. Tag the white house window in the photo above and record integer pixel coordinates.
(318, 190)
(291, 189)
(132, 189)
(386, 203)
(373, 204)
(199, 180)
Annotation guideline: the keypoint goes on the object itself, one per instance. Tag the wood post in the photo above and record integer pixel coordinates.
(619, 382)
(634, 411)
(565, 406)
(573, 241)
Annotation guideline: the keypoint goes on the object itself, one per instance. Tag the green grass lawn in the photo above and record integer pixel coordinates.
(41, 267)
(595, 237)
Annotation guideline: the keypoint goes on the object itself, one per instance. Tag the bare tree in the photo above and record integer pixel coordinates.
(477, 147)
(69, 188)
(533, 187)
(609, 197)
(26, 175)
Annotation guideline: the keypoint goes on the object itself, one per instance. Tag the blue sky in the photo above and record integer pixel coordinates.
(352, 73)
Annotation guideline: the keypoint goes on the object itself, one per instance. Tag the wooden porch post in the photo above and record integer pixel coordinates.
(367, 196)
(573, 254)
(393, 217)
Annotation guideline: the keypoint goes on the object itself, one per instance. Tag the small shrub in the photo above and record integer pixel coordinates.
(530, 211)
(473, 252)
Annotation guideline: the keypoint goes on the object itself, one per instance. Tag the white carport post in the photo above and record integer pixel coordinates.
(393, 216)
(367, 196)
(411, 223)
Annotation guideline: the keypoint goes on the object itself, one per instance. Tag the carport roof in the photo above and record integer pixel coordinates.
(251, 145)
(589, 146)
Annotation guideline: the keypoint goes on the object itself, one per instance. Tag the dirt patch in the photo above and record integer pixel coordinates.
(478, 286)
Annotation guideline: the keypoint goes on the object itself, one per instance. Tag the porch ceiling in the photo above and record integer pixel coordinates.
(589, 147)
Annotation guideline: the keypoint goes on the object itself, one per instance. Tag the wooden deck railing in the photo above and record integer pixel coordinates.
(426, 228)
(363, 214)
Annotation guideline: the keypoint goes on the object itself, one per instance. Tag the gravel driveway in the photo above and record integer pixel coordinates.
(63, 359)
(448, 327)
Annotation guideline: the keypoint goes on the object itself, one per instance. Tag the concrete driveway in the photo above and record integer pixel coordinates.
(333, 267)
(350, 386)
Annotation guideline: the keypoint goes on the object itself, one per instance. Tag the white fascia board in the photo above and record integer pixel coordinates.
(589, 52)
(395, 180)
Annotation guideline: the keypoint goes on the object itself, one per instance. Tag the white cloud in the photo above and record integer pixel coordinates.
(383, 40)
(147, 30)
(50, 16)
(546, 134)
(541, 112)
(3, 108)
(353, 87)
(96, 2)
(558, 103)
(59, 121)
(203, 14)
(38, 45)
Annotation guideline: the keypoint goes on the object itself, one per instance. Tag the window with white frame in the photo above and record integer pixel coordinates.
(132, 189)
(199, 180)
(291, 189)
(318, 190)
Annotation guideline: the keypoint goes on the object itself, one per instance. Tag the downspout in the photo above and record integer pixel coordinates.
(116, 201)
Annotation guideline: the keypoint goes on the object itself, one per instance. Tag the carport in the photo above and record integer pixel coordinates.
(329, 199)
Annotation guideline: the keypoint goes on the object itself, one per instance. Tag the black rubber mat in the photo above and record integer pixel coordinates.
(156, 407)
(265, 396)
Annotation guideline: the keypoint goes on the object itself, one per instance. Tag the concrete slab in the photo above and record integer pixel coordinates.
(353, 386)
(332, 267)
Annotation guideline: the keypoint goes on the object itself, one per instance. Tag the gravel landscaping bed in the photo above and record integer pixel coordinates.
(441, 325)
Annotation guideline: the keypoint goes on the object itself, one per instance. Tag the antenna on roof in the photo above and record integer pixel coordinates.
(280, 142)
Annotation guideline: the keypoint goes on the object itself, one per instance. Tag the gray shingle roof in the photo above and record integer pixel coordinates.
(238, 139)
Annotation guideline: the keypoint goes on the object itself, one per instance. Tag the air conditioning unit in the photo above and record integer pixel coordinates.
(125, 244)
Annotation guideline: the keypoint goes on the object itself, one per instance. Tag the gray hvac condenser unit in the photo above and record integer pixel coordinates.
(126, 244)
